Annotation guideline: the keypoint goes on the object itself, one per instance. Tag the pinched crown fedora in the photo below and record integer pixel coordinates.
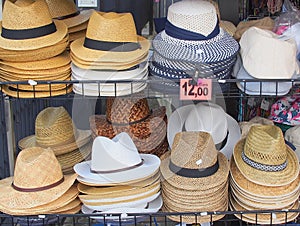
(54, 128)
(110, 37)
(264, 158)
(37, 180)
(21, 31)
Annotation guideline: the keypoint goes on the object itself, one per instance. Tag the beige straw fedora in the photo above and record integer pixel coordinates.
(110, 37)
(21, 31)
(264, 158)
(190, 152)
(66, 11)
(54, 128)
(37, 180)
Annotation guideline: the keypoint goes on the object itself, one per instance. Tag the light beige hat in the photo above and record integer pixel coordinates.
(257, 120)
(66, 11)
(38, 180)
(110, 37)
(27, 25)
(54, 128)
(264, 158)
(266, 56)
(293, 135)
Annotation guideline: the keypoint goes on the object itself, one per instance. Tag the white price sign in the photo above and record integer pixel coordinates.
(87, 3)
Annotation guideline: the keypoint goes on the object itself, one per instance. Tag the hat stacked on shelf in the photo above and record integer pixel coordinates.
(38, 186)
(33, 50)
(55, 129)
(264, 175)
(118, 177)
(66, 11)
(194, 178)
(193, 45)
(266, 56)
(111, 50)
(292, 135)
(147, 128)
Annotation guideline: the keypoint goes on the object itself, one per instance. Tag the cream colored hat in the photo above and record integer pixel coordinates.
(266, 56)
(27, 25)
(257, 120)
(293, 135)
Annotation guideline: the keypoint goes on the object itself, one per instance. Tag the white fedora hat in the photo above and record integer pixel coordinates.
(207, 117)
(117, 161)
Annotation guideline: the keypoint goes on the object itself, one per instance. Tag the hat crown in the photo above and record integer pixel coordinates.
(111, 27)
(194, 150)
(36, 167)
(126, 110)
(118, 153)
(54, 127)
(293, 135)
(198, 16)
(209, 118)
(25, 14)
(60, 8)
(265, 144)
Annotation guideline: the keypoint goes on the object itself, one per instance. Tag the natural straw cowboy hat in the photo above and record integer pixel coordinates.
(264, 158)
(19, 31)
(66, 11)
(37, 180)
(54, 128)
(117, 161)
(110, 37)
(190, 152)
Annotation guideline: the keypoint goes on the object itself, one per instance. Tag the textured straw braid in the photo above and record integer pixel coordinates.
(59, 8)
(265, 145)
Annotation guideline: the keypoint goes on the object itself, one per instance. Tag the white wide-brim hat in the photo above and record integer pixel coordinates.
(180, 115)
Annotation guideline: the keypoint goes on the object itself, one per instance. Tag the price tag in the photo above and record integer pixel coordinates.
(265, 105)
(200, 91)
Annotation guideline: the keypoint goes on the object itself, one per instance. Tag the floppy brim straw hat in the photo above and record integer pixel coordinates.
(179, 116)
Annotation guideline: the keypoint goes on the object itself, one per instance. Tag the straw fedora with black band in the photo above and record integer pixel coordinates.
(54, 128)
(19, 31)
(37, 180)
(110, 37)
(264, 158)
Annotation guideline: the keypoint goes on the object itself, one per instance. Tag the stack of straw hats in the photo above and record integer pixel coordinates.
(194, 178)
(118, 177)
(192, 45)
(111, 50)
(66, 11)
(32, 49)
(264, 55)
(55, 129)
(147, 128)
(264, 174)
(38, 186)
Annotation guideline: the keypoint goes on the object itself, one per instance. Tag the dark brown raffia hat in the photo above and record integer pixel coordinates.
(146, 127)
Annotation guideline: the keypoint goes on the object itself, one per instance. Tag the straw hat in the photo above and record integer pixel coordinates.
(17, 24)
(54, 128)
(192, 151)
(264, 158)
(67, 12)
(37, 180)
(257, 120)
(116, 161)
(292, 135)
(115, 28)
(146, 127)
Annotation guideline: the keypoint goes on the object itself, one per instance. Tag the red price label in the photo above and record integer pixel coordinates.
(200, 91)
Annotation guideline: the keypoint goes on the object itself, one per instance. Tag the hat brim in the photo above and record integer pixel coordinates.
(150, 165)
(81, 18)
(279, 178)
(189, 183)
(82, 137)
(178, 117)
(91, 55)
(80, 27)
(11, 199)
(35, 43)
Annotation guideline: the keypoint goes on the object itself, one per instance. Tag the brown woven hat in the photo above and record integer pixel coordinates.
(27, 25)
(54, 128)
(37, 180)
(190, 152)
(132, 115)
(66, 11)
(110, 37)
(264, 158)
